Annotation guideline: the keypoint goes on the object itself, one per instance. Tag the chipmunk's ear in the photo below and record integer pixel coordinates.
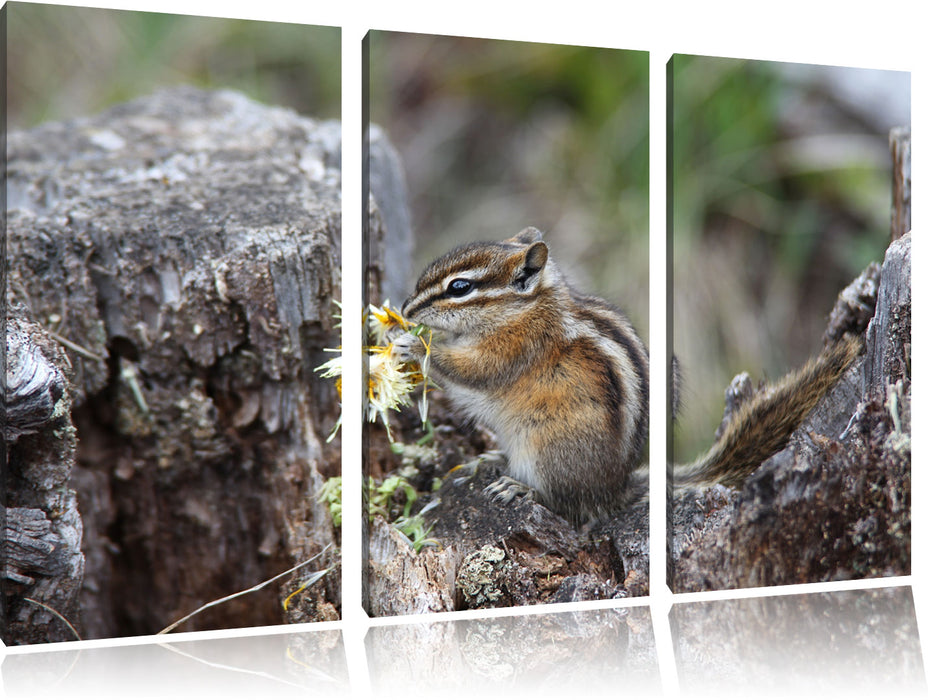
(534, 260)
(526, 236)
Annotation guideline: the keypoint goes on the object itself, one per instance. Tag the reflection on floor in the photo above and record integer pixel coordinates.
(839, 643)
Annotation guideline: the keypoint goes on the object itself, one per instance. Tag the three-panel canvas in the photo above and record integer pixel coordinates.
(176, 333)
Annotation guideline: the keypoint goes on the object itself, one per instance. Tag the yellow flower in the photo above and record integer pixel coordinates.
(390, 380)
(389, 384)
(383, 320)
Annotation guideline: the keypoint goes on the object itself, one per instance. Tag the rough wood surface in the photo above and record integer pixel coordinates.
(183, 249)
(835, 504)
(390, 231)
(888, 338)
(42, 560)
(387, 252)
(403, 582)
(489, 554)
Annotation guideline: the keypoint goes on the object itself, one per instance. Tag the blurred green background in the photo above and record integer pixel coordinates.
(66, 62)
(781, 196)
(496, 136)
(781, 178)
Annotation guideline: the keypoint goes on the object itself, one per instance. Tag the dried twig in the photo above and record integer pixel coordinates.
(57, 614)
(84, 352)
(244, 592)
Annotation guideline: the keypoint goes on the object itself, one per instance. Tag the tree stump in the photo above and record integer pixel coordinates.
(835, 504)
(182, 251)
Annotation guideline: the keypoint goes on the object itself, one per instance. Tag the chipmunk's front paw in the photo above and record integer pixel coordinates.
(506, 489)
(407, 346)
(468, 470)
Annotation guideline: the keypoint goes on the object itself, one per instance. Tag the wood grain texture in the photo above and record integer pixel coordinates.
(183, 250)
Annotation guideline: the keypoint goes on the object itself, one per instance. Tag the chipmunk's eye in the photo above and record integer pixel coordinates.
(459, 287)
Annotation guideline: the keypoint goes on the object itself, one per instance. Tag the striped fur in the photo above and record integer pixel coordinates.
(559, 377)
(761, 426)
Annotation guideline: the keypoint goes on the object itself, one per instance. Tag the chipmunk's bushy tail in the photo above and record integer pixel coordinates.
(762, 425)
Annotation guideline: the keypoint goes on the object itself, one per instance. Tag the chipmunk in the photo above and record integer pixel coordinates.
(561, 378)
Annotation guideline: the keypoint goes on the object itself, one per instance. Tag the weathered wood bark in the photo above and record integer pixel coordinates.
(403, 582)
(42, 561)
(888, 338)
(184, 250)
(835, 504)
(390, 234)
(485, 553)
